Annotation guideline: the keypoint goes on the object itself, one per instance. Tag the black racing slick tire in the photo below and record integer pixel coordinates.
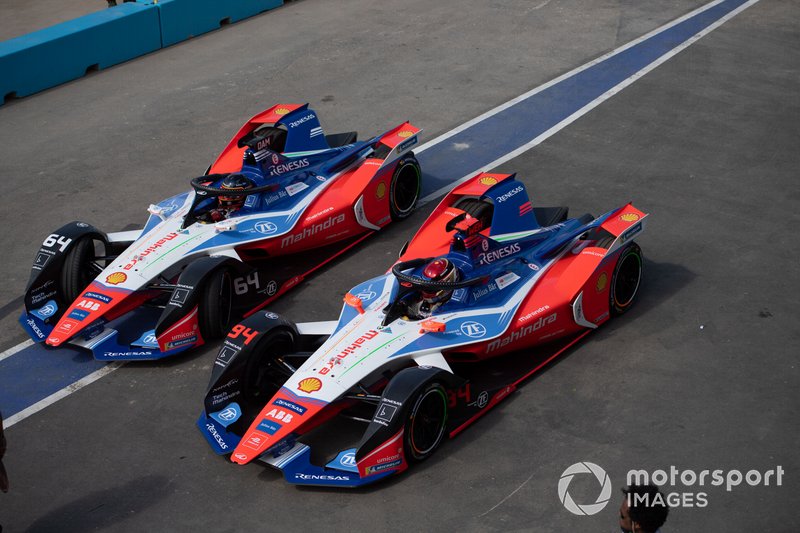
(79, 269)
(626, 279)
(476, 208)
(426, 423)
(404, 188)
(263, 377)
(215, 308)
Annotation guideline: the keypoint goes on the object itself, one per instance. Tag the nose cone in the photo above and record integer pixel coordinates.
(95, 302)
(284, 414)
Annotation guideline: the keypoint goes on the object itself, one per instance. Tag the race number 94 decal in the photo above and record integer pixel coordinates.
(247, 333)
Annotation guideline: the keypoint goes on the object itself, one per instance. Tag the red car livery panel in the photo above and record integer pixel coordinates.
(281, 200)
(490, 289)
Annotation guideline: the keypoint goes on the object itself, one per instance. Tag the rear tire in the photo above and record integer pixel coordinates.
(426, 423)
(480, 209)
(77, 271)
(215, 310)
(626, 279)
(404, 188)
(262, 378)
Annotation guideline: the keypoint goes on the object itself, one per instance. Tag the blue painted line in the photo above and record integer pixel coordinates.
(518, 124)
(34, 373)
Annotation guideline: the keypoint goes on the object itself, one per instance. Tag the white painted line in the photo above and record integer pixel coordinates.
(591, 105)
(18, 348)
(66, 391)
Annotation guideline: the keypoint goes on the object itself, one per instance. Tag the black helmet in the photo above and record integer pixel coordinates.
(234, 182)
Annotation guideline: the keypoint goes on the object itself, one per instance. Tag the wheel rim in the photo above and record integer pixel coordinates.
(629, 274)
(405, 189)
(428, 422)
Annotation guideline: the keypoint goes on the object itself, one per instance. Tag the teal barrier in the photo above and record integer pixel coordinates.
(66, 51)
(182, 19)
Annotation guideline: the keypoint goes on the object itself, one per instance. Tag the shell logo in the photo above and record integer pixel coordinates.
(116, 278)
(602, 281)
(380, 192)
(488, 180)
(629, 217)
(309, 385)
(282, 111)
(405, 133)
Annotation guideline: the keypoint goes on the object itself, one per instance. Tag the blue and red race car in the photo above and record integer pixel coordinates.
(281, 200)
(488, 291)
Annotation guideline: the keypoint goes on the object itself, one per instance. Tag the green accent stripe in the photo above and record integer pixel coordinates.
(370, 353)
(510, 236)
(187, 241)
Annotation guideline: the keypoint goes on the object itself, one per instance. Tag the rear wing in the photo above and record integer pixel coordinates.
(625, 224)
(397, 141)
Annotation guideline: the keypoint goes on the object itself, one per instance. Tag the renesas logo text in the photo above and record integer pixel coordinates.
(35, 328)
(289, 166)
(289, 405)
(516, 190)
(521, 333)
(301, 120)
(217, 437)
(320, 477)
(312, 230)
(97, 296)
(150, 249)
(337, 359)
(494, 255)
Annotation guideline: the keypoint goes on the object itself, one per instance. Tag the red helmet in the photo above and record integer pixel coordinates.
(440, 269)
(234, 182)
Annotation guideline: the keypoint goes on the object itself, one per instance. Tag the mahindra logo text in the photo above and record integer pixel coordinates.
(150, 249)
(312, 230)
(347, 351)
(521, 333)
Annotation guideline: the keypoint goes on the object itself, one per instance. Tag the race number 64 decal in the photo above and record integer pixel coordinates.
(241, 284)
(56, 239)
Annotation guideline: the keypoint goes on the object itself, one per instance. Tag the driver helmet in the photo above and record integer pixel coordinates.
(441, 269)
(234, 182)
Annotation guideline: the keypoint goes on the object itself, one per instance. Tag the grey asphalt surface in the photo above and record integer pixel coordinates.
(698, 375)
(21, 17)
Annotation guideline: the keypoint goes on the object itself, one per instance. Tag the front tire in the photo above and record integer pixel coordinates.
(404, 188)
(426, 423)
(78, 270)
(262, 377)
(216, 305)
(626, 279)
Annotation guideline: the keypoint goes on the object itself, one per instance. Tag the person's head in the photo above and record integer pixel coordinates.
(644, 509)
(234, 182)
(439, 270)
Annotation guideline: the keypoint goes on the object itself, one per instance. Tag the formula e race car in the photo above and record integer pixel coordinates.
(488, 291)
(281, 200)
